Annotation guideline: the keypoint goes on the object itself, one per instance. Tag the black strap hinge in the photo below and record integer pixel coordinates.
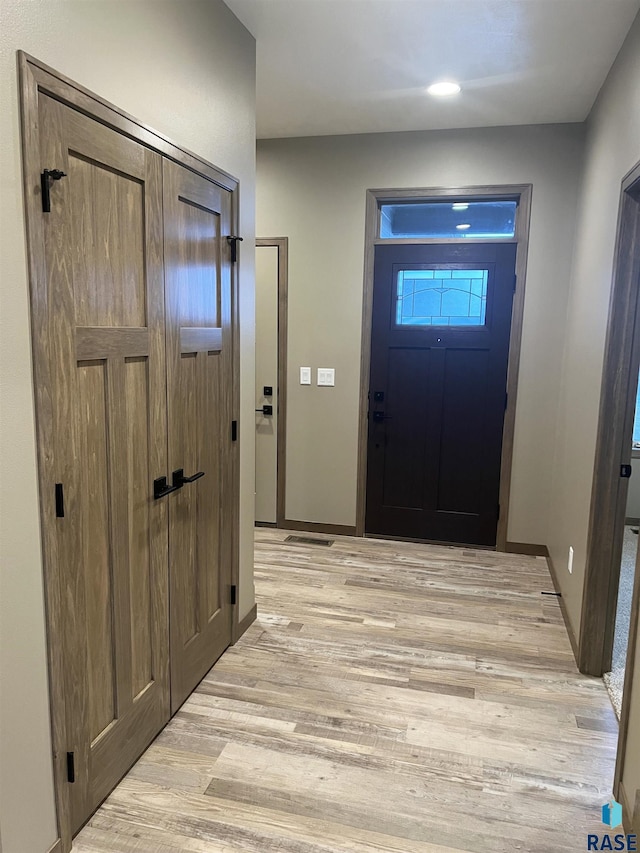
(625, 471)
(71, 767)
(234, 594)
(234, 430)
(233, 242)
(46, 177)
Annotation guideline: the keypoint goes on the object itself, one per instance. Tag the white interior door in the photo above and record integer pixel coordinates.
(266, 378)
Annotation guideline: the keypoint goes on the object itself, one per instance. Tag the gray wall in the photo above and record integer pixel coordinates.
(187, 69)
(612, 149)
(312, 190)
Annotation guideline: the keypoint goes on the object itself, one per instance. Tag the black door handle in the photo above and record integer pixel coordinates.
(45, 185)
(162, 488)
(266, 410)
(378, 417)
(179, 479)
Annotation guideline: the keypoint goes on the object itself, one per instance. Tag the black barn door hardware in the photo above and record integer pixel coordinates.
(233, 242)
(179, 479)
(162, 488)
(46, 178)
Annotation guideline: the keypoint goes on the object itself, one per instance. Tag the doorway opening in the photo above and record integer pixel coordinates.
(271, 380)
(614, 678)
(442, 325)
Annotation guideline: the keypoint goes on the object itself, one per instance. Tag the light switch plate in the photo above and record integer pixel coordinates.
(305, 376)
(326, 376)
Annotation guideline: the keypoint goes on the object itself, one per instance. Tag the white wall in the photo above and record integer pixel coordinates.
(613, 148)
(312, 190)
(186, 68)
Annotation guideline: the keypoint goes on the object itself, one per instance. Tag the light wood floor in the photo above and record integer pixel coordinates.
(390, 697)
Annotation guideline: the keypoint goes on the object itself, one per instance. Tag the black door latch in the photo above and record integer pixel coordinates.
(625, 471)
(46, 178)
(233, 243)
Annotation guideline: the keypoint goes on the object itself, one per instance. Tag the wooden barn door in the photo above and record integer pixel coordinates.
(106, 337)
(197, 213)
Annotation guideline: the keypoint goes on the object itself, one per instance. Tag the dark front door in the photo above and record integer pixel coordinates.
(439, 354)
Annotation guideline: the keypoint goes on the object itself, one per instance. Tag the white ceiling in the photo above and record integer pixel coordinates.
(360, 66)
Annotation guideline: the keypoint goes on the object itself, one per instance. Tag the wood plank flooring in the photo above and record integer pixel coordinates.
(389, 697)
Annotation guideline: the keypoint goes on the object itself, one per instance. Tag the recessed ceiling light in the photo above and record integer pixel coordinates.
(444, 89)
(464, 226)
(460, 205)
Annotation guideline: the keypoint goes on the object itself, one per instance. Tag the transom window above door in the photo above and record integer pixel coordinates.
(448, 220)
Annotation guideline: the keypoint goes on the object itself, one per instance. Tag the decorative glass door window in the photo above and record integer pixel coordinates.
(441, 297)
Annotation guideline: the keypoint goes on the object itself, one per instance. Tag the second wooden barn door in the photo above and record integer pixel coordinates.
(199, 363)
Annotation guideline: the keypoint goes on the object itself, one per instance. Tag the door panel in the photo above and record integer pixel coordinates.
(139, 477)
(405, 434)
(199, 380)
(103, 248)
(94, 517)
(464, 390)
(109, 239)
(439, 356)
